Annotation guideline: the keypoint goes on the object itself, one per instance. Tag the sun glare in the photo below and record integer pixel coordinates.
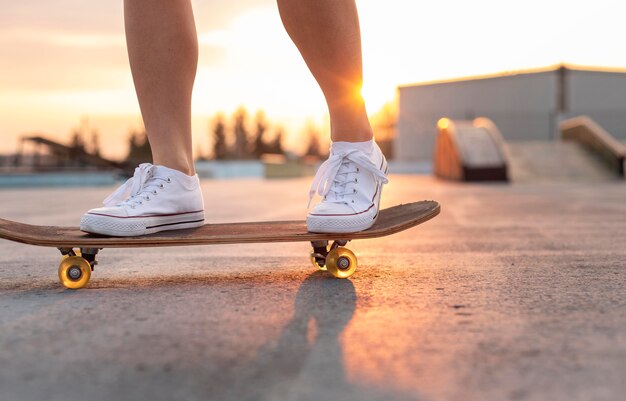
(376, 95)
(443, 124)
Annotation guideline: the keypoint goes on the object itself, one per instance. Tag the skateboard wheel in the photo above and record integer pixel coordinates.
(74, 272)
(315, 262)
(341, 262)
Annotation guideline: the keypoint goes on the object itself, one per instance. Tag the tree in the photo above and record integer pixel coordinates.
(259, 147)
(276, 146)
(78, 141)
(139, 150)
(95, 142)
(313, 137)
(77, 148)
(83, 141)
(220, 147)
(241, 133)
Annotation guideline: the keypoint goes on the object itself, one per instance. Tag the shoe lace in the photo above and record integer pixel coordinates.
(137, 188)
(334, 174)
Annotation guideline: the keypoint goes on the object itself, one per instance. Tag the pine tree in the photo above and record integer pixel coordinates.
(276, 146)
(139, 148)
(220, 147)
(259, 146)
(313, 137)
(241, 133)
(95, 142)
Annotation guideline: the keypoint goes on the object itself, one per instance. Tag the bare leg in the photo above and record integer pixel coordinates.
(163, 53)
(328, 36)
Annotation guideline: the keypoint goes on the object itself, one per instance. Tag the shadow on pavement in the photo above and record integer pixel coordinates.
(306, 362)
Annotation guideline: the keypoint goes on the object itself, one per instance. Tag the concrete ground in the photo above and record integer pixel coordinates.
(515, 292)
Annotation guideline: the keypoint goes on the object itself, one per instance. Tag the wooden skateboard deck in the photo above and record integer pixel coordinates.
(390, 221)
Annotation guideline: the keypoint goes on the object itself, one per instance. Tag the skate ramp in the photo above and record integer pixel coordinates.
(555, 161)
(469, 151)
(476, 151)
(585, 153)
(594, 138)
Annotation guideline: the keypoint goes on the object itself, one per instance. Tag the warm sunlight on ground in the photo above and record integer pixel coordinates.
(58, 67)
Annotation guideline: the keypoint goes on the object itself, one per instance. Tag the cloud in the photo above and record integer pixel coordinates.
(79, 44)
(105, 16)
(49, 60)
(218, 14)
(85, 16)
(46, 66)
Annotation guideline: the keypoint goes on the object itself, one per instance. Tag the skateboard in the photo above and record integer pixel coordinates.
(329, 253)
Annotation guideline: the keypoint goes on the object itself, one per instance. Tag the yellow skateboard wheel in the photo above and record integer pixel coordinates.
(74, 272)
(341, 262)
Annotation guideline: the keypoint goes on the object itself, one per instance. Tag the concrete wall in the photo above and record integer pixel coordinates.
(520, 105)
(601, 96)
(523, 106)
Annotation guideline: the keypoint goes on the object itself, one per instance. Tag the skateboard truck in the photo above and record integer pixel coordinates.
(76, 266)
(336, 259)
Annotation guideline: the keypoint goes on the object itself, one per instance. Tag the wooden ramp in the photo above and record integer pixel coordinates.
(470, 151)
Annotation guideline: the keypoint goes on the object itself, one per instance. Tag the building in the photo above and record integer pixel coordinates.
(525, 105)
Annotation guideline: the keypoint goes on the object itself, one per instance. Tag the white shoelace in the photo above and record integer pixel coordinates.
(139, 184)
(326, 179)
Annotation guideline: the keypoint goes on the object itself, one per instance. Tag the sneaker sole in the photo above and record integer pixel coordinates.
(135, 226)
(342, 224)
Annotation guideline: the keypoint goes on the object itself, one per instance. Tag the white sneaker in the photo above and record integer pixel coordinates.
(350, 182)
(155, 199)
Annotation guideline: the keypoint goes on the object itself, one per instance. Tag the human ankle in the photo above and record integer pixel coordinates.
(366, 147)
(353, 137)
(185, 168)
(355, 131)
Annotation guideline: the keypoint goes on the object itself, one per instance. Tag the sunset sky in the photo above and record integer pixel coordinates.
(61, 60)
